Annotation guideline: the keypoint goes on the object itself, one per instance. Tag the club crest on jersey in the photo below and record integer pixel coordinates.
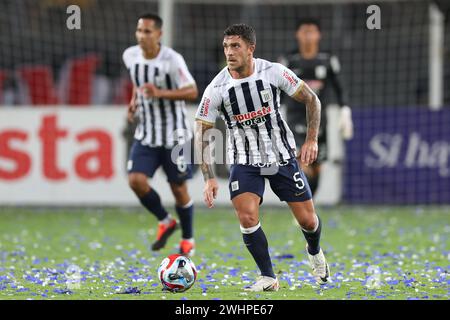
(253, 117)
(266, 95)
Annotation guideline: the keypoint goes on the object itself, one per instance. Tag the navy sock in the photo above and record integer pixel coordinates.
(313, 238)
(152, 202)
(186, 215)
(256, 243)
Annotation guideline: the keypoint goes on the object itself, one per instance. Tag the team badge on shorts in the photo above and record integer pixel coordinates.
(234, 185)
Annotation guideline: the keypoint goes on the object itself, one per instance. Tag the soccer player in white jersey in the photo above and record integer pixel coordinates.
(260, 145)
(161, 84)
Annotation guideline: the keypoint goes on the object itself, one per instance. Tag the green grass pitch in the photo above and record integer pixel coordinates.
(373, 252)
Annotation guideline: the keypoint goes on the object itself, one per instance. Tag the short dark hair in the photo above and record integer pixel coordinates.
(313, 21)
(246, 32)
(154, 17)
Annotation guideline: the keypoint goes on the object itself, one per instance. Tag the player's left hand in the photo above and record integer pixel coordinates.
(308, 153)
(149, 90)
(346, 123)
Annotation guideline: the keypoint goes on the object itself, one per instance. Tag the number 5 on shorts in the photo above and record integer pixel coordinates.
(297, 179)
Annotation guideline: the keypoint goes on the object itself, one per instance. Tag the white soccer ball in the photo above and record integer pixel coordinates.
(177, 273)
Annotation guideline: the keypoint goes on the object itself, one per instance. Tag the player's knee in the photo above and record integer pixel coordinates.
(180, 193)
(178, 188)
(247, 218)
(309, 222)
(138, 184)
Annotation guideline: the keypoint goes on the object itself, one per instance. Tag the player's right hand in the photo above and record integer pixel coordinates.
(132, 106)
(308, 153)
(210, 192)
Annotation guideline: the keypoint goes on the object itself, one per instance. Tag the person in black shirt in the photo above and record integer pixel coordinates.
(320, 70)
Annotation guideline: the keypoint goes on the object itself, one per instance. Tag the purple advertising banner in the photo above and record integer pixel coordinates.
(398, 156)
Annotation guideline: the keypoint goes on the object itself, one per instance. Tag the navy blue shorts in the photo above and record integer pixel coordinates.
(286, 180)
(145, 159)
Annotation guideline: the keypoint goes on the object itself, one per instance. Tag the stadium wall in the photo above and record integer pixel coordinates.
(75, 157)
(399, 156)
(58, 156)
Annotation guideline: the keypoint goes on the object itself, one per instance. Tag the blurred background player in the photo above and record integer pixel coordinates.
(247, 95)
(320, 70)
(161, 83)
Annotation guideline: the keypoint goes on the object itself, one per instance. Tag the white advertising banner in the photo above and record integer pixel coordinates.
(59, 156)
(76, 157)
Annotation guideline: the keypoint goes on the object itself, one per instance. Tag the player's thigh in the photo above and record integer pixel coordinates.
(308, 170)
(322, 154)
(246, 206)
(311, 170)
(143, 159)
(246, 179)
(290, 183)
(177, 168)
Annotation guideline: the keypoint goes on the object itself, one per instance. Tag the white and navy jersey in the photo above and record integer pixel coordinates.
(162, 122)
(250, 107)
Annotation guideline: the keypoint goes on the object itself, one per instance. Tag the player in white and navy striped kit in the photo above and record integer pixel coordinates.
(161, 83)
(250, 108)
(246, 94)
(162, 122)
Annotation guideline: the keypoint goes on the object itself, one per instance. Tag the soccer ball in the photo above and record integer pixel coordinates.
(177, 273)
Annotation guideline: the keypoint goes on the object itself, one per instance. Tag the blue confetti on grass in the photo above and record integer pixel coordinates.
(284, 256)
(62, 291)
(130, 290)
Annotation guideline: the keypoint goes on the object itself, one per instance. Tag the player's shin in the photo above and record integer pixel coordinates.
(152, 202)
(185, 214)
(313, 236)
(256, 242)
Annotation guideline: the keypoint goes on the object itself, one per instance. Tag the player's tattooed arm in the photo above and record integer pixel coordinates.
(313, 108)
(203, 153)
(309, 150)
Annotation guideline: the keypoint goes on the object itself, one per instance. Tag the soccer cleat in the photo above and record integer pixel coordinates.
(187, 248)
(164, 232)
(264, 284)
(319, 265)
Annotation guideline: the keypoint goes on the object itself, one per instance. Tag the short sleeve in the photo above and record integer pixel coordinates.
(126, 57)
(208, 110)
(180, 72)
(285, 79)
